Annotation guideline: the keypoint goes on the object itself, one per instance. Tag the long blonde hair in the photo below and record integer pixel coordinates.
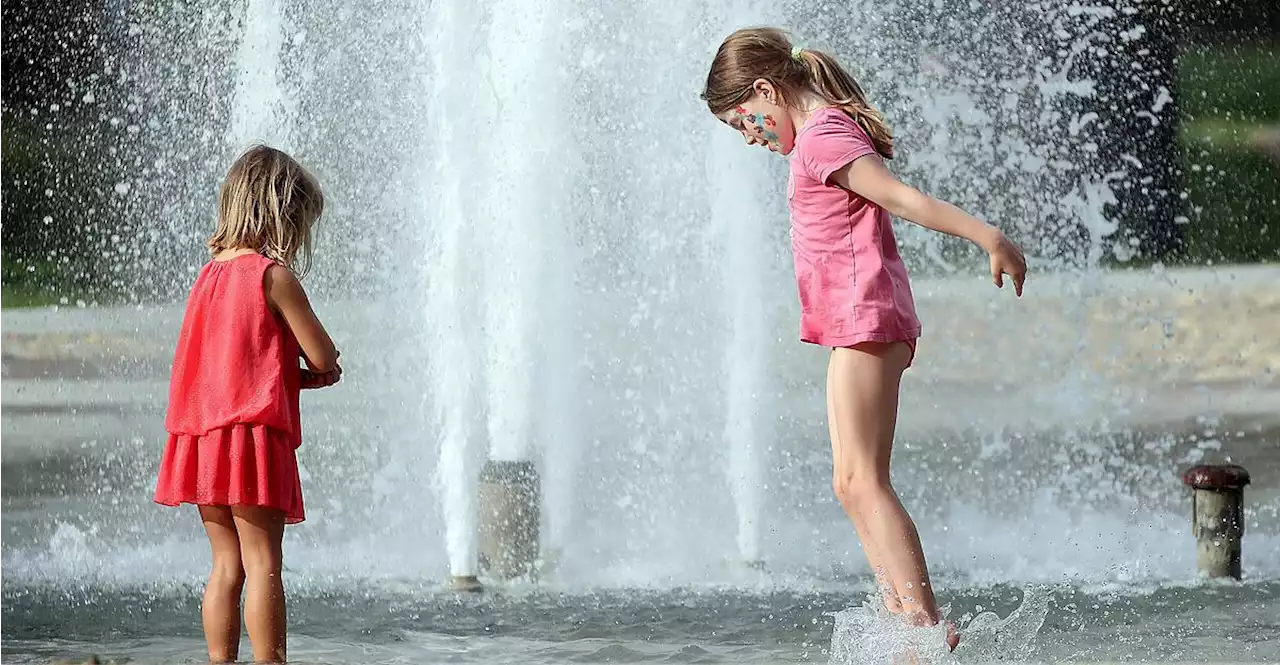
(766, 53)
(268, 203)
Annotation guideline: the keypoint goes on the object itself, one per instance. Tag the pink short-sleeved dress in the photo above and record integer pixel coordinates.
(853, 284)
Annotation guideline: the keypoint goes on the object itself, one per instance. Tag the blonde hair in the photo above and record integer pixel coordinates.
(268, 203)
(765, 53)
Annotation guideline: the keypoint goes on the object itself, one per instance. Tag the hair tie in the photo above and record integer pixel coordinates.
(797, 52)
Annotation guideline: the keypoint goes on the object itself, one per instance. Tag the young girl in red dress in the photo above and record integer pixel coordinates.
(233, 396)
(855, 295)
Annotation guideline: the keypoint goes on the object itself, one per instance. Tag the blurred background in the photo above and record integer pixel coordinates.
(1229, 131)
(80, 116)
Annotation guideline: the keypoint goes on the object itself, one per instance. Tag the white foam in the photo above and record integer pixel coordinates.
(869, 634)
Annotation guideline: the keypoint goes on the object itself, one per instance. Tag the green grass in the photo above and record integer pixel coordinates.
(33, 285)
(25, 295)
(1228, 94)
(1233, 195)
(52, 175)
(1222, 133)
(1230, 82)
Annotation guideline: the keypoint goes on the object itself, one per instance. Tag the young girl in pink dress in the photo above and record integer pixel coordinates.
(233, 395)
(855, 296)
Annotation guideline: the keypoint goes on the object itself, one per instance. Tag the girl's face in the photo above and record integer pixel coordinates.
(763, 121)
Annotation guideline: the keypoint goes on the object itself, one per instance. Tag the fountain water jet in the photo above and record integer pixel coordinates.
(524, 213)
(737, 212)
(521, 262)
(450, 292)
(262, 110)
(561, 435)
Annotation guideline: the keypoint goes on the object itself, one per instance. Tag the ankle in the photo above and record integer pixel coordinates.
(919, 616)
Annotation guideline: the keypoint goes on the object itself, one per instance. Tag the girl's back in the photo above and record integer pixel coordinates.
(236, 361)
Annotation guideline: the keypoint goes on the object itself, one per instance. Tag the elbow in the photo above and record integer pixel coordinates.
(325, 366)
(325, 362)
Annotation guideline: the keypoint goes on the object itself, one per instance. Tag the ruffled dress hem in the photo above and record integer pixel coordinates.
(238, 465)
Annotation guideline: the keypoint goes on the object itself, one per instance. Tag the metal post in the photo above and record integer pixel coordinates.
(1217, 517)
(510, 510)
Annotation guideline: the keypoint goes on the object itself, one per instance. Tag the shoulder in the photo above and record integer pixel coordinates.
(275, 274)
(826, 125)
(830, 140)
(281, 286)
(828, 120)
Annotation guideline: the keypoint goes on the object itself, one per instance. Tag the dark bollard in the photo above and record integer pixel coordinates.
(510, 509)
(1217, 516)
(465, 584)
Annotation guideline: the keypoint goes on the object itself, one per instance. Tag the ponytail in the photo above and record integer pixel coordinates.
(829, 80)
(766, 53)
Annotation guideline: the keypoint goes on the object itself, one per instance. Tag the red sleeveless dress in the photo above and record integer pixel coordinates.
(233, 397)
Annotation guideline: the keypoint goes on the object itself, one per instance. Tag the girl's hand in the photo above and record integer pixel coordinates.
(313, 380)
(1006, 259)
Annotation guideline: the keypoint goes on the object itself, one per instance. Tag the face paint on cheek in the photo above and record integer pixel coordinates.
(770, 130)
(762, 126)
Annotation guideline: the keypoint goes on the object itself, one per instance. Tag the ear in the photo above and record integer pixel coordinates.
(767, 91)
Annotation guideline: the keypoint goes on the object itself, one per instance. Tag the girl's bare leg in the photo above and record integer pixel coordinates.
(874, 558)
(261, 531)
(863, 387)
(220, 610)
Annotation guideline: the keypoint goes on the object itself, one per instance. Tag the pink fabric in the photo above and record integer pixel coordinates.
(852, 281)
(239, 465)
(233, 397)
(236, 361)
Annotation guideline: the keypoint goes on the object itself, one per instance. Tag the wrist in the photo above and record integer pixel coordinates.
(989, 238)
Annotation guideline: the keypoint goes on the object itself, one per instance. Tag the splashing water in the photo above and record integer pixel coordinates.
(986, 637)
(869, 634)
(541, 245)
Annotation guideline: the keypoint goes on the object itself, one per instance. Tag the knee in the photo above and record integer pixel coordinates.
(262, 560)
(227, 571)
(859, 493)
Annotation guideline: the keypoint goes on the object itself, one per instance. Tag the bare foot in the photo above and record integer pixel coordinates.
(953, 636)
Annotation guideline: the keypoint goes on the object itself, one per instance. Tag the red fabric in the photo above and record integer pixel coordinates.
(233, 397)
(239, 465)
